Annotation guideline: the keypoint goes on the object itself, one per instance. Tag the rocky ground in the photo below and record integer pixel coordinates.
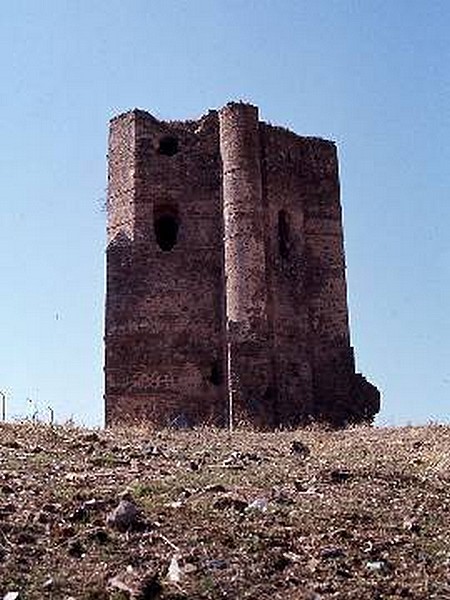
(307, 514)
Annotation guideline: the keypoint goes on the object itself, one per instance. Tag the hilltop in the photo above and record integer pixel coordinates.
(310, 513)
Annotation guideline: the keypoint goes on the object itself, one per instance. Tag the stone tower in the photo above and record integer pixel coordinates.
(226, 291)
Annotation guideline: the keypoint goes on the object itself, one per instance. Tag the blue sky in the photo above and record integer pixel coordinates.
(372, 75)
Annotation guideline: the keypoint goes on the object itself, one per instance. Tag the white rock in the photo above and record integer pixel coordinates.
(258, 504)
(174, 573)
(376, 565)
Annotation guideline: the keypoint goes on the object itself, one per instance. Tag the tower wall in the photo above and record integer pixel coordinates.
(332, 356)
(284, 198)
(120, 233)
(247, 311)
(121, 178)
(226, 275)
(165, 357)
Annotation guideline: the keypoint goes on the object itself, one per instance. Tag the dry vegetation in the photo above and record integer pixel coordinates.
(314, 514)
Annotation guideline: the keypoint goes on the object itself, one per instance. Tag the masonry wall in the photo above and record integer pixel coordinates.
(247, 301)
(165, 357)
(332, 356)
(284, 197)
(226, 275)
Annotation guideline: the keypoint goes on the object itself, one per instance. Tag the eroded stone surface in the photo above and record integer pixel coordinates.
(226, 275)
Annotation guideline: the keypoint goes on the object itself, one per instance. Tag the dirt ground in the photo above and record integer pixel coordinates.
(145, 514)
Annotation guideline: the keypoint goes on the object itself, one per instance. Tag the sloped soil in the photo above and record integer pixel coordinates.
(140, 513)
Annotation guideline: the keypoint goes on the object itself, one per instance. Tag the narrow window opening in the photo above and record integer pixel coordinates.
(283, 234)
(166, 231)
(215, 376)
(168, 145)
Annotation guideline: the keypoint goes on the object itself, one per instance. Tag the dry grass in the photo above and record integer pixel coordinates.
(359, 513)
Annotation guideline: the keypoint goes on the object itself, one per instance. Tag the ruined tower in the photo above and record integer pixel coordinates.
(226, 291)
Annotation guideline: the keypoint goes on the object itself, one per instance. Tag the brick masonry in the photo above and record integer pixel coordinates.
(226, 275)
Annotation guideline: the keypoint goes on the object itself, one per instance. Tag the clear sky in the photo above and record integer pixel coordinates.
(371, 74)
